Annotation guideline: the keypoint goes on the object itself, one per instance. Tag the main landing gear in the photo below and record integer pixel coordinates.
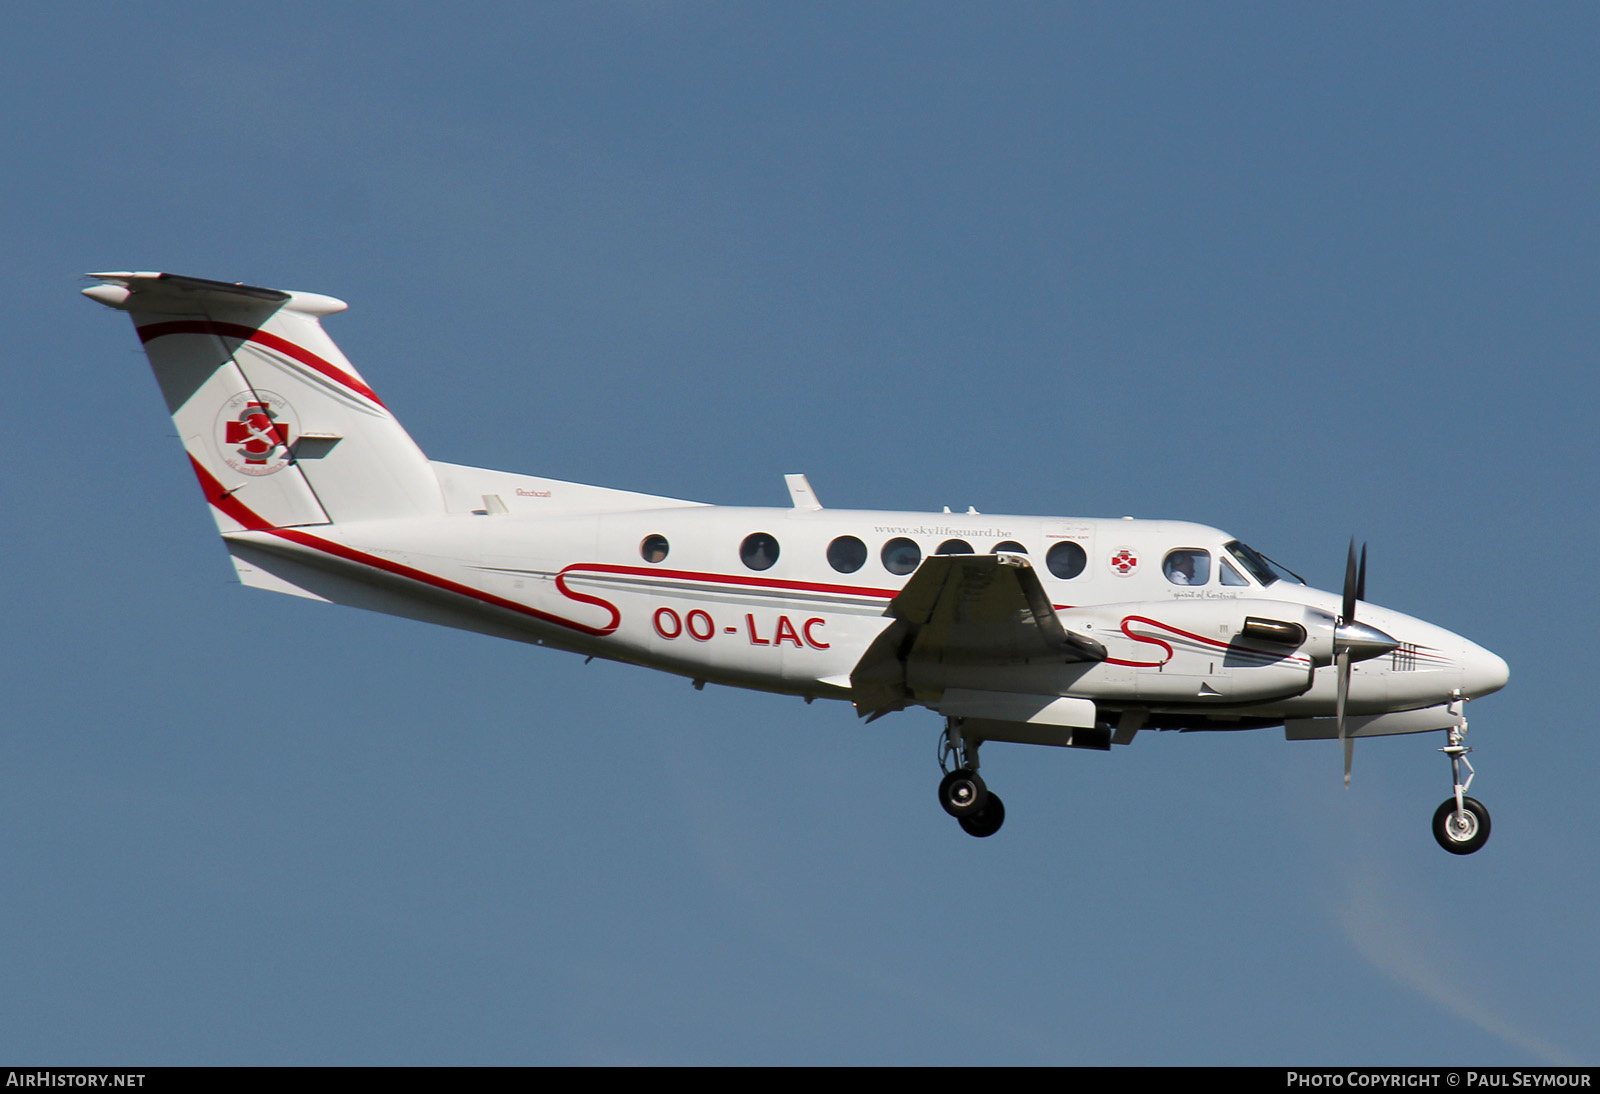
(962, 792)
(1460, 824)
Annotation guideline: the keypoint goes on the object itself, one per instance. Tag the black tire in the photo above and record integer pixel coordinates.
(1465, 837)
(987, 822)
(962, 793)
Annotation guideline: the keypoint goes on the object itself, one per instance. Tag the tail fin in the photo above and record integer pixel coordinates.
(280, 427)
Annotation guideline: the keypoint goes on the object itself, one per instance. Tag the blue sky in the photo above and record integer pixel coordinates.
(1297, 271)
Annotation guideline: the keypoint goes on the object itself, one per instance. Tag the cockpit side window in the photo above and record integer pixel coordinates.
(1229, 575)
(1187, 566)
(1259, 566)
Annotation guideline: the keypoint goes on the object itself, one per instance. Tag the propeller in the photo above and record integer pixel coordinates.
(1352, 642)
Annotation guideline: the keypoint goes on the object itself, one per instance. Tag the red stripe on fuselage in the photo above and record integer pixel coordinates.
(1185, 634)
(242, 514)
(249, 519)
(731, 579)
(262, 338)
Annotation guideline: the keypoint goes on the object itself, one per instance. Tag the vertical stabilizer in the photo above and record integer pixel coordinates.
(270, 411)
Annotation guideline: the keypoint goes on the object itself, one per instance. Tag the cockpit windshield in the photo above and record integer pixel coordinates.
(1260, 566)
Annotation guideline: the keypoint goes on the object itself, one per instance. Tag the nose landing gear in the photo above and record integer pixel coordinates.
(1460, 824)
(962, 791)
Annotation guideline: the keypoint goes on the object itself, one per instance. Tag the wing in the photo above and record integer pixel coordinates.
(967, 610)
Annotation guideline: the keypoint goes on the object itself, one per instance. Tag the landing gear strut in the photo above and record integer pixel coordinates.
(1460, 824)
(962, 791)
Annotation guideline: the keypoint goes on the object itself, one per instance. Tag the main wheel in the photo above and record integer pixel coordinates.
(962, 793)
(1464, 832)
(987, 821)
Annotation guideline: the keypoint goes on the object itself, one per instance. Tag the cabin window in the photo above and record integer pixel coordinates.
(1008, 547)
(1187, 566)
(847, 554)
(954, 547)
(1066, 559)
(1229, 575)
(759, 550)
(653, 548)
(900, 555)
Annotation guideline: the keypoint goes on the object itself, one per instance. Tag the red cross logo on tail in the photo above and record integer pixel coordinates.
(255, 429)
(256, 433)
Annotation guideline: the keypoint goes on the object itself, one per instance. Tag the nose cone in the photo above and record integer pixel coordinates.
(1482, 672)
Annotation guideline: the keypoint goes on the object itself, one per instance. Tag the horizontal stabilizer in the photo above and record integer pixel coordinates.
(176, 294)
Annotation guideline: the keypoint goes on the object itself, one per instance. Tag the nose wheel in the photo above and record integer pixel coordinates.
(962, 792)
(1461, 829)
(1460, 824)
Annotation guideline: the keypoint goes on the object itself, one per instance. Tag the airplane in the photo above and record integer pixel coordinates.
(1069, 632)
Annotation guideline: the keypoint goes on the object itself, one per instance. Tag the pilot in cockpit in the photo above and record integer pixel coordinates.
(1187, 567)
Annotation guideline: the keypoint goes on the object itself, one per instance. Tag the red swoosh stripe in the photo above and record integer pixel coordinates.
(248, 518)
(262, 338)
(734, 579)
(1154, 641)
(253, 521)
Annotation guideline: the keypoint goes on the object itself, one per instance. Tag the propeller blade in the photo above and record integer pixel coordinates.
(1351, 637)
(1348, 742)
(1350, 579)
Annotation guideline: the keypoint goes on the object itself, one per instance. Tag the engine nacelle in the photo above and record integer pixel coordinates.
(1206, 652)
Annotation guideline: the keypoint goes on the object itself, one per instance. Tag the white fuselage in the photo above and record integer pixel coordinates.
(567, 565)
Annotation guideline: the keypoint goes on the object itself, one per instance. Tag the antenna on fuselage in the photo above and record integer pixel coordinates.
(800, 492)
